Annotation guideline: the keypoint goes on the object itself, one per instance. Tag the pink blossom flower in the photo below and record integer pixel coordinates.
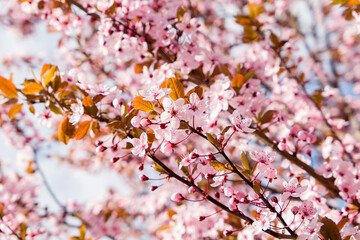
(154, 93)
(241, 123)
(77, 110)
(292, 189)
(45, 118)
(173, 111)
(307, 209)
(140, 145)
(219, 96)
(263, 156)
(263, 223)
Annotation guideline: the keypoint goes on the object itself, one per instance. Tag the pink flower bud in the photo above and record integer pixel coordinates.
(114, 148)
(101, 148)
(177, 197)
(227, 233)
(191, 190)
(217, 194)
(98, 143)
(295, 210)
(115, 159)
(153, 188)
(144, 178)
(220, 138)
(202, 218)
(193, 155)
(141, 166)
(274, 199)
(308, 152)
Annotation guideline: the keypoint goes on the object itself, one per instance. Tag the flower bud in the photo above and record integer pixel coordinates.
(202, 218)
(141, 166)
(153, 188)
(295, 210)
(177, 197)
(101, 148)
(144, 178)
(98, 143)
(115, 159)
(220, 138)
(227, 233)
(193, 155)
(274, 199)
(191, 190)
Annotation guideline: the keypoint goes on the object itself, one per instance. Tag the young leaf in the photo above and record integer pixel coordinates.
(317, 97)
(65, 131)
(7, 87)
(32, 88)
(237, 82)
(140, 104)
(257, 188)
(268, 116)
(218, 166)
(212, 140)
(329, 230)
(82, 130)
(49, 74)
(177, 88)
(14, 110)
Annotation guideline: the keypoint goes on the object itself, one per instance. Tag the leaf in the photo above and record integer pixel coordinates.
(257, 188)
(159, 169)
(87, 101)
(31, 108)
(14, 110)
(248, 75)
(82, 231)
(177, 88)
(245, 161)
(49, 73)
(54, 108)
(23, 228)
(32, 88)
(7, 87)
(212, 140)
(198, 90)
(171, 213)
(237, 82)
(268, 116)
(329, 230)
(342, 223)
(65, 131)
(317, 97)
(162, 228)
(82, 130)
(225, 130)
(143, 105)
(218, 166)
(95, 127)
